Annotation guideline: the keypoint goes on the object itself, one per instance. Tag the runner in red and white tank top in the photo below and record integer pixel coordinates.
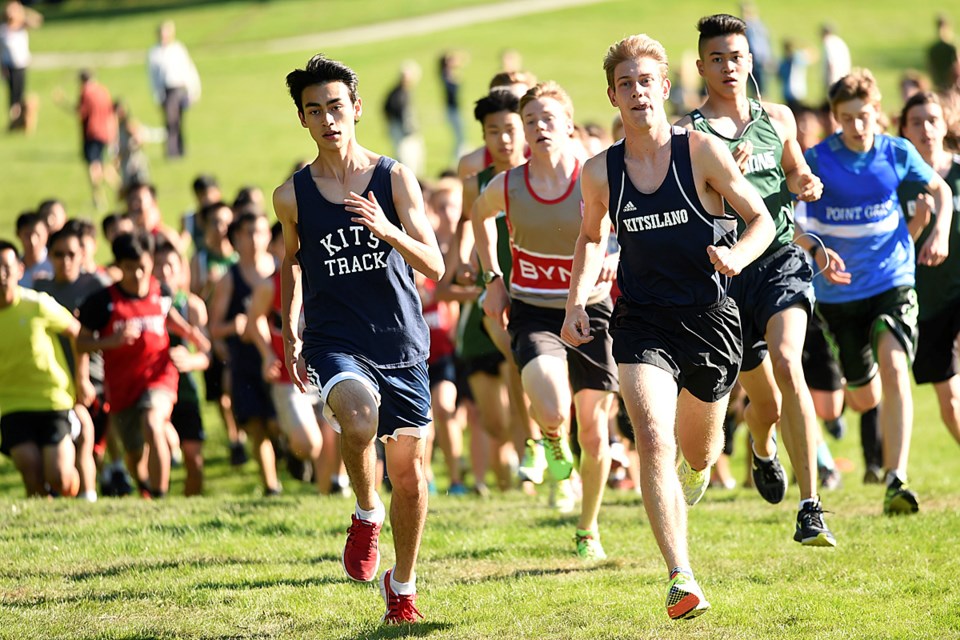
(543, 205)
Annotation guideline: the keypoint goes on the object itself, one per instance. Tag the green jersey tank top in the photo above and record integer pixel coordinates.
(763, 170)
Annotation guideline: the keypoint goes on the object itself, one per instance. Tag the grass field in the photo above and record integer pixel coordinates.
(235, 565)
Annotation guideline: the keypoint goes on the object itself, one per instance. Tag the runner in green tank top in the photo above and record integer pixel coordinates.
(483, 346)
(186, 416)
(774, 294)
(938, 288)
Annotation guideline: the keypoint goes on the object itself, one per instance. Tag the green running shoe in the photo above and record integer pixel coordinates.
(694, 483)
(684, 598)
(534, 462)
(559, 457)
(588, 545)
(899, 499)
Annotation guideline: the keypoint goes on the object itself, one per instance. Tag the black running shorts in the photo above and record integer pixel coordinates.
(820, 366)
(701, 347)
(765, 288)
(854, 328)
(535, 331)
(936, 359)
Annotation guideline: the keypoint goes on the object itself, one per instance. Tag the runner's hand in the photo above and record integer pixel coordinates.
(576, 327)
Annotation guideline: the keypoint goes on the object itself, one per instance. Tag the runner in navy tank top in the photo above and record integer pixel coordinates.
(250, 235)
(354, 228)
(676, 335)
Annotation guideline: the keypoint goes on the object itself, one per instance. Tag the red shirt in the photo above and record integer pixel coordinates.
(96, 113)
(276, 333)
(440, 319)
(130, 370)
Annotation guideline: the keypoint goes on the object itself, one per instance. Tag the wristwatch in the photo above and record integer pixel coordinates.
(490, 276)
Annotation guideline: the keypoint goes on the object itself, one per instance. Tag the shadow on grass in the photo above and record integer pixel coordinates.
(267, 584)
(131, 567)
(419, 630)
(534, 573)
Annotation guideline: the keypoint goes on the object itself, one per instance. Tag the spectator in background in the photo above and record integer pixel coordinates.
(98, 127)
(758, 40)
(15, 57)
(36, 392)
(33, 234)
(793, 75)
(450, 62)
(132, 162)
(836, 55)
(175, 83)
(942, 58)
(249, 198)
(402, 120)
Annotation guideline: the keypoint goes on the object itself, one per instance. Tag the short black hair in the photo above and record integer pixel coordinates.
(320, 70)
(63, 234)
(29, 219)
(240, 222)
(494, 102)
(204, 182)
(212, 207)
(110, 221)
(719, 24)
(132, 246)
(136, 184)
(82, 226)
(6, 245)
(276, 231)
(47, 205)
(164, 246)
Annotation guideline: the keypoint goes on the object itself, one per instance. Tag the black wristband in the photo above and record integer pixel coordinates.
(813, 251)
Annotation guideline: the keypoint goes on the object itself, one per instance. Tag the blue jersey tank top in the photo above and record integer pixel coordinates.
(359, 295)
(859, 214)
(664, 235)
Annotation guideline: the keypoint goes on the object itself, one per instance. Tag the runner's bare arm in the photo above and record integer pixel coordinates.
(291, 292)
(934, 251)
(590, 249)
(713, 161)
(800, 179)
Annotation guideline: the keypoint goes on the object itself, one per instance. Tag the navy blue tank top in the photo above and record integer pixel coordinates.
(664, 235)
(244, 357)
(359, 295)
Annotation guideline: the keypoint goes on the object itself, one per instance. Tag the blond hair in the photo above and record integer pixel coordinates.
(548, 89)
(859, 84)
(631, 48)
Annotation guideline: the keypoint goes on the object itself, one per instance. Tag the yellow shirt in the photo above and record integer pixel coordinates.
(33, 368)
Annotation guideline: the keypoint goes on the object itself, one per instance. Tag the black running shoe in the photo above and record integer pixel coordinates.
(812, 530)
(770, 479)
(238, 455)
(836, 428)
(873, 475)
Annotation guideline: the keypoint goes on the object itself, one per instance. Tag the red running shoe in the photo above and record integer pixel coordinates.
(400, 609)
(361, 554)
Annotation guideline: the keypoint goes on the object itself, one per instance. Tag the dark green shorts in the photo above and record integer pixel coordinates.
(853, 329)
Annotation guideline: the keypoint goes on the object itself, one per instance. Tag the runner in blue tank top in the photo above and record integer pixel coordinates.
(775, 293)
(676, 334)
(354, 227)
(872, 313)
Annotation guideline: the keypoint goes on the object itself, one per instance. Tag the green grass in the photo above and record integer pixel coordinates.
(245, 129)
(235, 565)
